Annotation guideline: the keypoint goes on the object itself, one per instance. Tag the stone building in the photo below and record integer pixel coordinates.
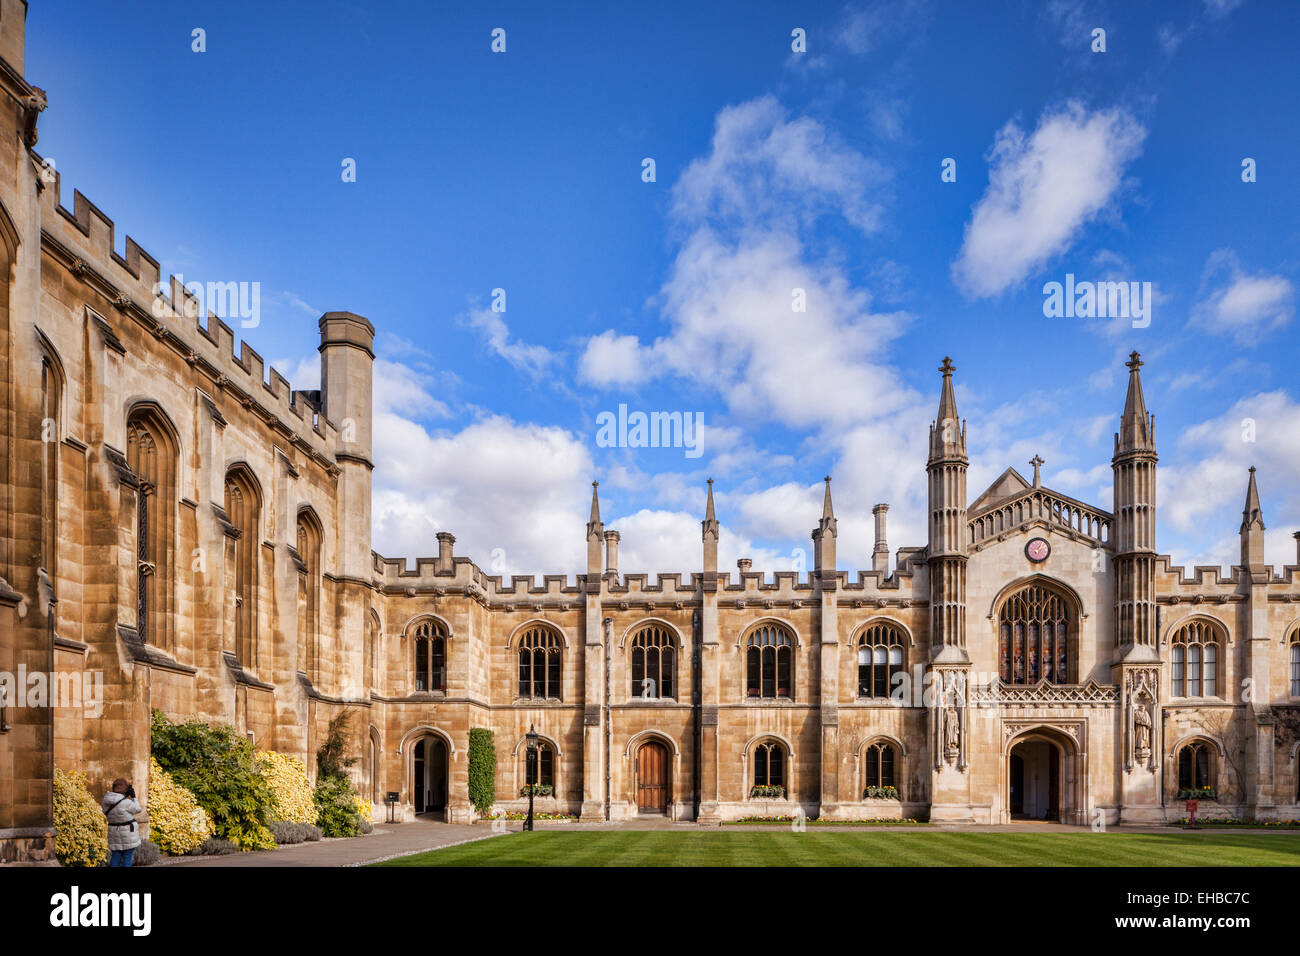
(181, 522)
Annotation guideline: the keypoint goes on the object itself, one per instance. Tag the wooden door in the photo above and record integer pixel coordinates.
(652, 778)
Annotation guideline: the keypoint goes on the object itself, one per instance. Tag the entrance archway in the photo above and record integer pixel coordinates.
(1043, 778)
(653, 780)
(1034, 781)
(429, 775)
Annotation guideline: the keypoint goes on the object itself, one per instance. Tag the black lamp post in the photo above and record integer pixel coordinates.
(531, 774)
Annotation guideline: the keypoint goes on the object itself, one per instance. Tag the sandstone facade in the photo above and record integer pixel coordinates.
(198, 533)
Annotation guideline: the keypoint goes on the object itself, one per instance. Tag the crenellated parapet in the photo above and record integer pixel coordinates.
(131, 289)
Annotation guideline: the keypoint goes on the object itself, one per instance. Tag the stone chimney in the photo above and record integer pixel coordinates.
(611, 552)
(446, 563)
(880, 553)
(744, 564)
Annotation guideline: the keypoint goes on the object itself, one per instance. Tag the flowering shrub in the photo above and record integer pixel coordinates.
(880, 793)
(177, 824)
(290, 788)
(81, 829)
(365, 808)
(773, 791)
(523, 815)
(221, 770)
(338, 813)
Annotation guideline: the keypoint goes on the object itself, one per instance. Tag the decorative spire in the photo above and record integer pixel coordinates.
(594, 525)
(1037, 462)
(948, 433)
(1137, 426)
(1252, 518)
(710, 522)
(827, 526)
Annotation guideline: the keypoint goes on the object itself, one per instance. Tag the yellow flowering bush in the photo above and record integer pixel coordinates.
(365, 808)
(290, 787)
(82, 829)
(177, 824)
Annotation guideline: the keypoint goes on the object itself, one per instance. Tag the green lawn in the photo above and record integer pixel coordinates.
(859, 848)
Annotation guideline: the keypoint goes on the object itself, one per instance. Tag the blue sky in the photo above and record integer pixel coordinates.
(775, 170)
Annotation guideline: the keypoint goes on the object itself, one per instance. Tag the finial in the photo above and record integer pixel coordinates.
(1134, 360)
(1037, 462)
(947, 368)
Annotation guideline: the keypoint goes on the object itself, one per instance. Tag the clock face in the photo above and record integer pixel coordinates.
(1037, 550)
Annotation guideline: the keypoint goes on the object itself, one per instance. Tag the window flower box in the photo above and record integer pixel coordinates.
(1208, 794)
(767, 791)
(538, 789)
(880, 793)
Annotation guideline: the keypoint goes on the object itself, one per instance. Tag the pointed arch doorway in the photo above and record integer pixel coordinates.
(429, 775)
(652, 777)
(1043, 778)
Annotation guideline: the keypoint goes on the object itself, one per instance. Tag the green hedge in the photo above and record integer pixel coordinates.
(482, 770)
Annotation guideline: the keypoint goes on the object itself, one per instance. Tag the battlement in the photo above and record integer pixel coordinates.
(1286, 577)
(83, 239)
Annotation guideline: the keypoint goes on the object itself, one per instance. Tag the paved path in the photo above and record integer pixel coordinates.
(388, 840)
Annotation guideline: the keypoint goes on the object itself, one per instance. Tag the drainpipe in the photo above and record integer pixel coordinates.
(697, 731)
(608, 622)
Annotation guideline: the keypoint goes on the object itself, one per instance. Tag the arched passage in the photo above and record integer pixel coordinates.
(1043, 778)
(429, 769)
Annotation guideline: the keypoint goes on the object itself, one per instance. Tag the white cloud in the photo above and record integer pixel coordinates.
(1043, 189)
(1247, 307)
(613, 359)
(1220, 8)
(1208, 491)
(533, 360)
(765, 168)
(496, 484)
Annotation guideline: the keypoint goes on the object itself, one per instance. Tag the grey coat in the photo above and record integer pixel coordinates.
(120, 809)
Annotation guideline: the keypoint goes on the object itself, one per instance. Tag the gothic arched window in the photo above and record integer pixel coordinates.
(373, 630)
(654, 660)
(243, 509)
(768, 662)
(430, 657)
(309, 585)
(151, 454)
(1195, 660)
(51, 412)
(1295, 662)
(539, 664)
(1195, 761)
(1035, 628)
(880, 657)
(769, 770)
(546, 767)
(880, 763)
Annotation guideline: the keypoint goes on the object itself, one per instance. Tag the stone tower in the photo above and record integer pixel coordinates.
(346, 378)
(1134, 537)
(1137, 658)
(950, 663)
(946, 469)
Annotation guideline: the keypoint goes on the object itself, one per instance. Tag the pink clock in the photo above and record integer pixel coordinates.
(1037, 550)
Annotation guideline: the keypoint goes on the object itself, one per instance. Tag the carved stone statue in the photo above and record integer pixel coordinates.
(951, 729)
(1142, 730)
